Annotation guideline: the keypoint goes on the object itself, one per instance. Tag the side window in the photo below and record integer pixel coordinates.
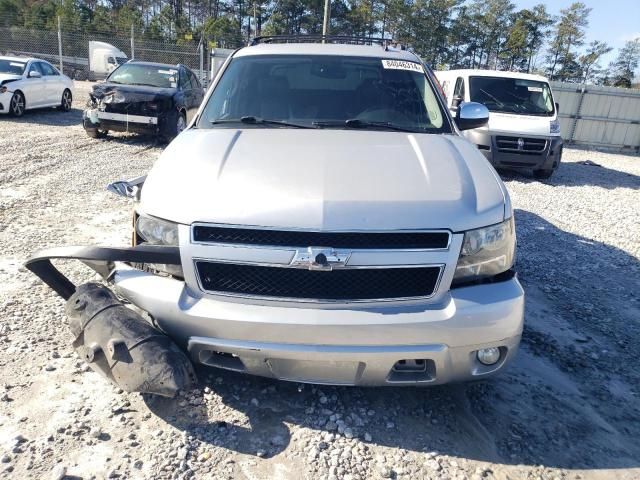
(195, 83)
(46, 69)
(185, 83)
(34, 68)
(458, 93)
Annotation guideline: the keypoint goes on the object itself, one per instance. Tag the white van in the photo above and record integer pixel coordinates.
(523, 129)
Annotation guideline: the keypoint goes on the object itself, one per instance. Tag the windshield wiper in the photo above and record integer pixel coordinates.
(251, 120)
(357, 123)
(146, 85)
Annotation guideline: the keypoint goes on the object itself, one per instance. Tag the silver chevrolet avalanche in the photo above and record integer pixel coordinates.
(322, 220)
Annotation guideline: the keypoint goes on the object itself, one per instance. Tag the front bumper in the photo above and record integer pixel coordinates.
(391, 344)
(5, 99)
(122, 122)
(349, 346)
(548, 159)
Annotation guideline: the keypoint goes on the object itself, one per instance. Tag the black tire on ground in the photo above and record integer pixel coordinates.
(66, 101)
(542, 174)
(17, 104)
(96, 133)
(181, 124)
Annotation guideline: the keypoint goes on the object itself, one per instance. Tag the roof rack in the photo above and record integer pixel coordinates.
(317, 38)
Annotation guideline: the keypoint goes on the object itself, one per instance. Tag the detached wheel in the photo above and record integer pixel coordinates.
(16, 104)
(65, 103)
(96, 133)
(542, 174)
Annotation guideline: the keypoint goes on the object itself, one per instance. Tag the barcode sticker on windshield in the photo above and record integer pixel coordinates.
(167, 72)
(402, 65)
(14, 64)
(534, 89)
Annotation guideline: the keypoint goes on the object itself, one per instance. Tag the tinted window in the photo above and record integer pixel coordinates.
(11, 67)
(195, 83)
(319, 88)
(185, 83)
(46, 69)
(459, 89)
(150, 75)
(35, 67)
(512, 95)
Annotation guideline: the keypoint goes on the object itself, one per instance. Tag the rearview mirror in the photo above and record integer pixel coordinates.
(472, 115)
(35, 74)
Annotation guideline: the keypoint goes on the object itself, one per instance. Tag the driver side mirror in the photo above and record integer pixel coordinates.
(557, 107)
(472, 115)
(35, 74)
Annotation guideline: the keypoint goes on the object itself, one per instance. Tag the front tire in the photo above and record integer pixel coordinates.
(180, 125)
(17, 104)
(96, 133)
(66, 101)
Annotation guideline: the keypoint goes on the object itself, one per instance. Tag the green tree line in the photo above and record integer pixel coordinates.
(489, 34)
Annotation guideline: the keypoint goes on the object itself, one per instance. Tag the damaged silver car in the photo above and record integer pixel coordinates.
(321, 220)
(143, 97)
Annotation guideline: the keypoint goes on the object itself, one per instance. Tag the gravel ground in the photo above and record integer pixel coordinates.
(568, 407)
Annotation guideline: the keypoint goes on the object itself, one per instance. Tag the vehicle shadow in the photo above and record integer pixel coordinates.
(554, 406)
(50, 116)
(579, 174)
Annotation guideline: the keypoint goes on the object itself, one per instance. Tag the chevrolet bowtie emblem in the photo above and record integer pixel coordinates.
(318, 258)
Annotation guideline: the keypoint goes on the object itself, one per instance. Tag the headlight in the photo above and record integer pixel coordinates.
(486, 252)
(154, 231)
(554, 126)
(157, 232)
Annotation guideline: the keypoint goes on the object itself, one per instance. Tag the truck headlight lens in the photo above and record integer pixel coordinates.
(153, 231)
(554, 126)
(486, 252)
(157, 232)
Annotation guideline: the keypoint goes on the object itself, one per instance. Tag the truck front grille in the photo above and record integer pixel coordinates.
(348, 284)
(521, 145)
(295, 238)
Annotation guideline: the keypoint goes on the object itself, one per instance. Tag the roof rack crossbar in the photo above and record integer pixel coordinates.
(318, 38)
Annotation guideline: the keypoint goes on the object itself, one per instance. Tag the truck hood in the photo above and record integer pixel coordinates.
(519, 124)
(324, 180)
(8, 77)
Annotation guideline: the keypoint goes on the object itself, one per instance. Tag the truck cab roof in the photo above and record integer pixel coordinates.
(469, 72)
(347, 50)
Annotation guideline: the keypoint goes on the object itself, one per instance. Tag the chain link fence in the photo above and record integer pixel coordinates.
(69, 50)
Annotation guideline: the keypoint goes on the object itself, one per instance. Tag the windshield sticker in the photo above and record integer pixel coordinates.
(14, 64)
(167, 72)
(534, 89)
(402, 65)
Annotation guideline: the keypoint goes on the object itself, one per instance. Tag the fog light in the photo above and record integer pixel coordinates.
(489, 356)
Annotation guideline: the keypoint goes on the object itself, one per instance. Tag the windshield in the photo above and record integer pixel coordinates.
(11, 66)
(322, 91)
(151, 75)
(512, 95)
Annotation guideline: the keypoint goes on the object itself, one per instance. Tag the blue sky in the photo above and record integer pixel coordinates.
(611, 21)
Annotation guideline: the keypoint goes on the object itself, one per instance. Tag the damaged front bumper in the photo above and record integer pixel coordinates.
(115, 340)
(397, 344)
(121, 122)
